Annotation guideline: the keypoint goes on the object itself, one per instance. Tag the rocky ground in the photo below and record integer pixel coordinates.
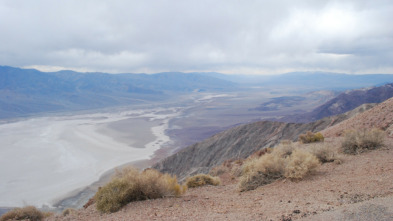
(361, 188)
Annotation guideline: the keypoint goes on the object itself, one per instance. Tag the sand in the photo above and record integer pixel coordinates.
(44, 159)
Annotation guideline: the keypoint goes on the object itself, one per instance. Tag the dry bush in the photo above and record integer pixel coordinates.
(358, 141)
(202, 180)
(26, 213)
(284, 161)
(300, 164)
(325, 153)
(68, 211)
(264, 170)
(131, 185)
(219, 170)
(311, 137)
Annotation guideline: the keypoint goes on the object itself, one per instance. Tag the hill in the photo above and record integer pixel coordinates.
(344, 102)
(241, 142)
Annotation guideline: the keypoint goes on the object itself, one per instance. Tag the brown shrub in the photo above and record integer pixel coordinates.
(264, 170)
(300, 164)
(202, 180)
(26, 213)
(359, 141)
(311, 137)
(68, 211)
(284, 161)
(130, 185)
(325, 153)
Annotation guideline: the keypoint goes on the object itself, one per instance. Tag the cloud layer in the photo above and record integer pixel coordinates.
(182, 35)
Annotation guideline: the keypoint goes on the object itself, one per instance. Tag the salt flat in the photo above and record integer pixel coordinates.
(42, 159)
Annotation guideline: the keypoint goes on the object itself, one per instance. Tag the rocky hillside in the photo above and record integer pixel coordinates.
(344, 102)
(240, 142)
(381, 117)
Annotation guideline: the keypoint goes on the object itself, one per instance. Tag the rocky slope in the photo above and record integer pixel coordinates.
(240, 142)
(381, 117)
(344, 102)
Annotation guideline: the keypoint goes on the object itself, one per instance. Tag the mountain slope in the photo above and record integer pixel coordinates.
(344, 102)
(240, 142)
(381, 117)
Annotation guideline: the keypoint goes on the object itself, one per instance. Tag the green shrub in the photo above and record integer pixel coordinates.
(311, 137)
(202, 180)
(26, 213)
(358, 141)
(131, 185)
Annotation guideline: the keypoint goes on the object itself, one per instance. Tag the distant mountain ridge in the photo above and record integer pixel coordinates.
(28, 91)
(344, 102)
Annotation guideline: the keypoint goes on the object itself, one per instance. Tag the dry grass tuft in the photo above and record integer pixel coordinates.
(300, 164)
(26, 213)
(358, 141)
(325, 153)
(202, 180)
(311, 137)
(131, 185)
(68, 211)
(286, 160)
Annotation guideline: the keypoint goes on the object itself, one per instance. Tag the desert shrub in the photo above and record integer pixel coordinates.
(300, 164)
(219, 170)
(358, 141)
(264, 170)
(284, 161)
(325, 153)
(202, 180)
(131, 185)
(68, 211)
(26, 213)
(311, 137)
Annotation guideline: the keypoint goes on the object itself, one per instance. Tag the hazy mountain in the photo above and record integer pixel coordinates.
(309, 80)
(28, 91)
(344, 102)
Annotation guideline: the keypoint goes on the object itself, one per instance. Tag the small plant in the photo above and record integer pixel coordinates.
(311, 137)
(359, 141)
(325, 153)
(202, 180)
(26, 213)
(68, 211)
(131, 185)
(284, 161)
(300, 164)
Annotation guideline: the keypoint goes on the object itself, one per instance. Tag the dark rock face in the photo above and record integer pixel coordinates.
(241, 142)
(344, 102)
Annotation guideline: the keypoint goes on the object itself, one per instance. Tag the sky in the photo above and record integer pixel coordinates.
(227, 36)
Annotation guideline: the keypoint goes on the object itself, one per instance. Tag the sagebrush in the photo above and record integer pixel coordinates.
(131, 185)
(325, 152)
(310, 137)
(284, 161)
(26, 213)
(357, 141)
(202, 180)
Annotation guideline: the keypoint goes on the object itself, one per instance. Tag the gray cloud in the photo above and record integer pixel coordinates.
(183, 35)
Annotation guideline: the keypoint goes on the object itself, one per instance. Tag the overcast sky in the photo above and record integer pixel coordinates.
(228, 36)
